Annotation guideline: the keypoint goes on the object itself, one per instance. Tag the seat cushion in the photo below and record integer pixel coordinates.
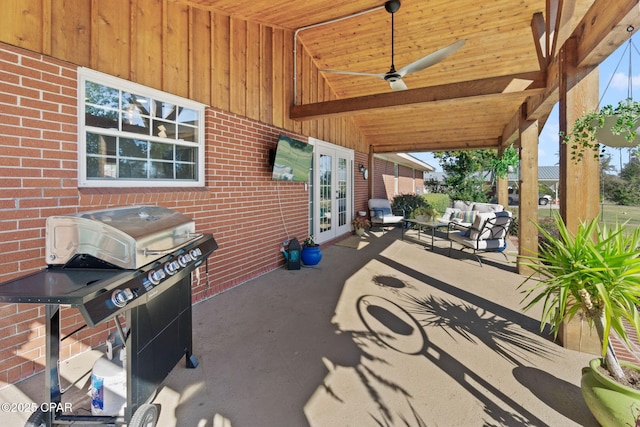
(478, 229)
(391, 219)
(481, 245)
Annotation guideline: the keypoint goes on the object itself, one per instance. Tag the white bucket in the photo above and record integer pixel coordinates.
(108, 386)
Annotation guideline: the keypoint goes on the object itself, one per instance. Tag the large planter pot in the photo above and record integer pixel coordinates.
(610, 402)
(605, 136)
(311, 255)
(359, 231)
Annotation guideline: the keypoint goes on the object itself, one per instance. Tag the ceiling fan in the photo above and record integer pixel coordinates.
(395, 77)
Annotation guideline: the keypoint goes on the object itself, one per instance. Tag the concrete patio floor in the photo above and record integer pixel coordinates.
(388, 334)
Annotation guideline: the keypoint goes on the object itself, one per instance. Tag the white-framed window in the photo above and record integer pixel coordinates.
(135, 136)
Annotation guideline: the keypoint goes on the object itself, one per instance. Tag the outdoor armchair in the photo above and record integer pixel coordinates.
(487, 233)
(382, 214)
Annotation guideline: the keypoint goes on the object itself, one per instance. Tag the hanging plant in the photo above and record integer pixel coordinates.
(501, 166)
(613, 126)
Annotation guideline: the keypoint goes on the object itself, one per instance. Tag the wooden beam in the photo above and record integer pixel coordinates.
(601, 31)
(471, 144)
(352, 106)
(605, 23)
(540, 39)
(554, 13)
(511, 131)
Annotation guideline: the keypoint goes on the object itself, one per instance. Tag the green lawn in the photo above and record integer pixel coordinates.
(610, 213)
(613, 213)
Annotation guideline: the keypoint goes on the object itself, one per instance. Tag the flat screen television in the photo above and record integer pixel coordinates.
(292, 160)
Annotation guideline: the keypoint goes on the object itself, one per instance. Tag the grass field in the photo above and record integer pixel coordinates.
(610, 213)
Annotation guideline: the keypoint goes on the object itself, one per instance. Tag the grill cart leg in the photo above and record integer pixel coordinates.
(52, 377)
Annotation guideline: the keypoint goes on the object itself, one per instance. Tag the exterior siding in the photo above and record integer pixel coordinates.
(240, 205)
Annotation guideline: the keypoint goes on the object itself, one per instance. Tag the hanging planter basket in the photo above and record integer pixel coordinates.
(608, 136)
(614, 126)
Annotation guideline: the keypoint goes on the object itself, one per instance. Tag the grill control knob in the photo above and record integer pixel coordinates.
(156, 276)
(184, 260)
(120, 297)
(171, 267)
(195, 253)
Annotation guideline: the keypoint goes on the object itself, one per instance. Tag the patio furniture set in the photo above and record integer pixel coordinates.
(481, 227)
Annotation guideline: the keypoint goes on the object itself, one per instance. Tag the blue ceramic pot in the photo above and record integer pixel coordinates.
(311, 255)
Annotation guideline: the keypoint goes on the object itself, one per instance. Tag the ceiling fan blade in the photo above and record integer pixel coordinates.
(397, 85)
(354, 73)
(431, 59)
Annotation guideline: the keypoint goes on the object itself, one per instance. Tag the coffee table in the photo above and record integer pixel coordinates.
(428, 225)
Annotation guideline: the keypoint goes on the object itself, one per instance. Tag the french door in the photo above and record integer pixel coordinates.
(332, 191)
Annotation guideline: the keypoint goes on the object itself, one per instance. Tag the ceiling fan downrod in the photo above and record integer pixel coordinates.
(392, 7)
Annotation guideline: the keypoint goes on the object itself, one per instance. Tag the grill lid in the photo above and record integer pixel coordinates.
(127, 237)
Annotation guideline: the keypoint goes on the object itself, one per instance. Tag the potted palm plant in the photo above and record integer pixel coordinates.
(614, 126)
(596, 273)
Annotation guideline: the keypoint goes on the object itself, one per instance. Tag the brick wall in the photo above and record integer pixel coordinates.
(384, 180)
(248, 213)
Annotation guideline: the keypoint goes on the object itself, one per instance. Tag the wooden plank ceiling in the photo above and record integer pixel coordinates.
(458, 103)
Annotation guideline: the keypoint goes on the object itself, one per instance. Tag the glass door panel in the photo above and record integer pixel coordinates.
(332, 213)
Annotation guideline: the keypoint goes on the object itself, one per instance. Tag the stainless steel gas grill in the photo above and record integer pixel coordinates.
(135, 261)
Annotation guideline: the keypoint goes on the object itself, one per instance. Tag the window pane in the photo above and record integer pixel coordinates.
(164, 110)
(98, 94)
(101, 167)
(133, 148)
(132, 169)
(187, 115)
(187, 133)
(135, 113)
(161, 151)
(185, 154)
(185, 171)
(161, 170)
(164, 129)
(101, 118)
(101, 144)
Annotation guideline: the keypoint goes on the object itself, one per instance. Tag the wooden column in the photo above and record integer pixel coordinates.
(528, 187)
(579, 181)
(372, 172)
(502, 184)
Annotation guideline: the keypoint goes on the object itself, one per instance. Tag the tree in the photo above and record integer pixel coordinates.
(463, 170)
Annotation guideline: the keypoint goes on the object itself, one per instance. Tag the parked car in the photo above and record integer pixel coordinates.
(514, 197)
(544, 200)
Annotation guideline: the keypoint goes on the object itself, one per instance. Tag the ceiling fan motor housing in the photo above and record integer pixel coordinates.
(392, 6)
(392, 78)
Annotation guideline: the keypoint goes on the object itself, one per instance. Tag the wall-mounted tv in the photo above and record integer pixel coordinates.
(292, 160)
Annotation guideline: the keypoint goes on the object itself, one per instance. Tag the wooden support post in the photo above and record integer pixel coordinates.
(528, 187)
(579, 181)
(372, 172)
(502, 184)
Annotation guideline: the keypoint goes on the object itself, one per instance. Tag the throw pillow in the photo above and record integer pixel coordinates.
(449, 213)
(466, 216)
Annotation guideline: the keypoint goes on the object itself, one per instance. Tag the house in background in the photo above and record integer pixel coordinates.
(398, 173)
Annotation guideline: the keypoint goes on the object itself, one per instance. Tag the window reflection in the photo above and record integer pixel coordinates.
(133, 136)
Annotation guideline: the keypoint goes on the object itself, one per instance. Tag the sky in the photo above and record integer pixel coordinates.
(614, 86)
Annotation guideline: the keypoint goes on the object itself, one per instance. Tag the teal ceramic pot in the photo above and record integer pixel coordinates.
(610, 402)
(311, 255)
